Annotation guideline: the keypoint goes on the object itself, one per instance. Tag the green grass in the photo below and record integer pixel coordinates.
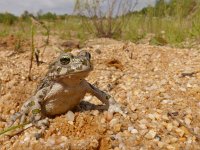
(170, 23)
(167, 23)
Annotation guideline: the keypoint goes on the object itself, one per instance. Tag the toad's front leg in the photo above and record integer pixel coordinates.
(110, 104)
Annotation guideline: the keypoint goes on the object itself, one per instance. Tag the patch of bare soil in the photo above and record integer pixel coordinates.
(159, 86)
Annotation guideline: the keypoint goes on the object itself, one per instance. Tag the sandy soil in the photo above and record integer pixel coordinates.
(159, 86)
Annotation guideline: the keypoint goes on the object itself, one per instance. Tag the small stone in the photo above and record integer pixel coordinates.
(116, 148)
(118, 137)
(113, 122)
(189, 85)
(88, 98)
(165, 117)
(188, 111)
(157, 138)
(187, 121)
(71, 122)
(64, 138)
(143, 132)
(160, 144)
(196, 130)
(103, 120)
(143, 126)
(27, 138)
(152, 116)
(167, 102)
(122, 146)
(179, 132)
(132, 130)
(183, 89)
(136, 92)
(169, 127)
(175, 123)
(133, 108)
(70, 116)
(150, 135)
(12, 111)
(134, 117)
(95, 112)
(173, 140)
(117, 127)
(51, 141)
(108, 116)
(170, 147)
(185, 130)
(183, 139)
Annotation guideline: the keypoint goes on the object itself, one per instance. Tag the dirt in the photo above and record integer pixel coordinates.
(151, 82)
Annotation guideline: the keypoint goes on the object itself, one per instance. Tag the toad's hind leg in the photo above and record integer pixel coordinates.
(21, 114)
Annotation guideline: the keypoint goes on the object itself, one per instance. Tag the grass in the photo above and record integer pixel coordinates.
(167, 23)
(172, 27)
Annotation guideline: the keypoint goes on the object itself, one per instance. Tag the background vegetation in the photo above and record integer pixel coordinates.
(170, 23)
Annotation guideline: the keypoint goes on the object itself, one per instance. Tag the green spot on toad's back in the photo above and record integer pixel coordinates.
(32, 103)
(108, 96)
(36, 111)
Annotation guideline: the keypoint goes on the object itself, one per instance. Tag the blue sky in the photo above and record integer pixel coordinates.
(17, 7)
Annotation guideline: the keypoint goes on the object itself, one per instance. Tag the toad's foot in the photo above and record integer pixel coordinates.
(115, 107)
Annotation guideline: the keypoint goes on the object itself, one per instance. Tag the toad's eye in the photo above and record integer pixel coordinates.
(65, 60)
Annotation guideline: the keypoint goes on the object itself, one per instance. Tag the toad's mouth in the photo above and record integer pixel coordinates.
(74, 72)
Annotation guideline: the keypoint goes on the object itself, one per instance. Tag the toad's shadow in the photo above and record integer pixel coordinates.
(87, 106)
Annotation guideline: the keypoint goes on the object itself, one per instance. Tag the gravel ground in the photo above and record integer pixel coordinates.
(159, 86)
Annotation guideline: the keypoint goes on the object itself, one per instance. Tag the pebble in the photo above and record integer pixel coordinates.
(116, 148)
(114, 122)
(12, 111)
(196, 130)
(108, 116)
(175, 123)
(173, 139)
(88, 98)
(122, 146)
(153, 116)
(143, 126)
(103, 120)
(134, 117)
(188, 111)
(187, 121)
(167, 102)
(165, 117)
(180, 132)
(51, 141)
(133, 108)
(150, 135)
(160, 144)
(70, 116)
(27, 138)
(169, 127)
(117, 127)
(143, 132)
(170, 147)
(183, 139)
(95, 112)
(132, 130)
